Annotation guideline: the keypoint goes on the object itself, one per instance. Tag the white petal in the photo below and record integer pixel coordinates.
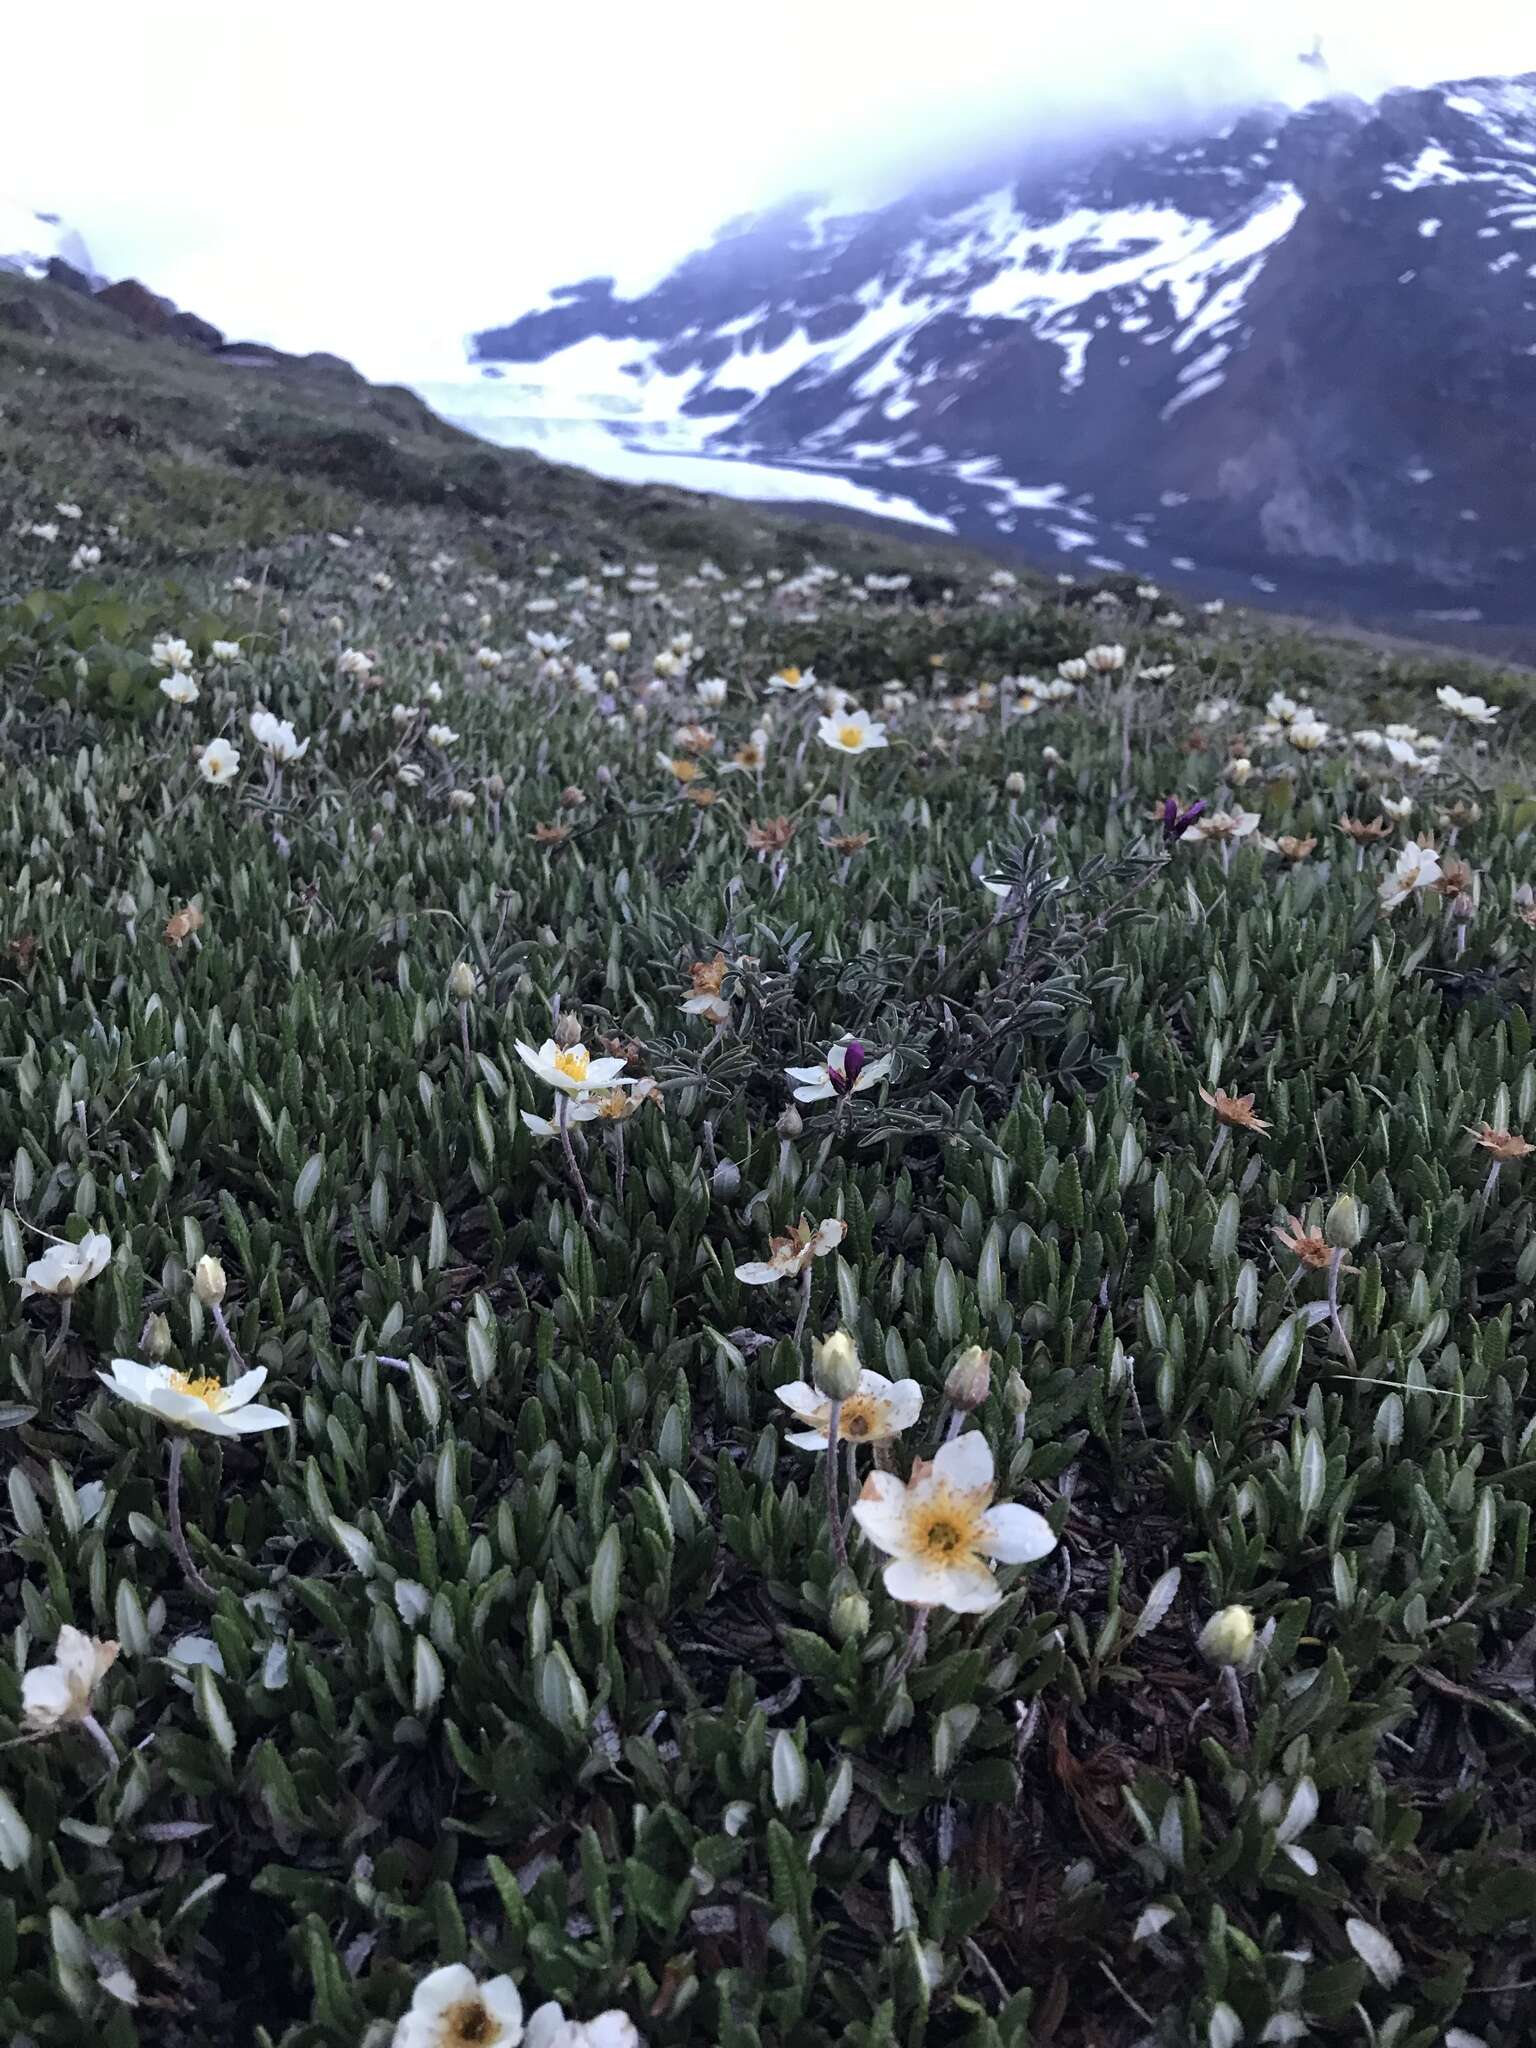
(503, 2001)
(247, 1421)
(812, 1077)
(46, 1696)
(828, 1235)
(801, 1398)
(881, 1511)
(966, 1586)
(538, 1126)
(823, 1092)
(758, 1273)
(239, 1391)
(875, 1072)
(603, 1073)
(443, 1989)
(965, 1463)
(133, 1381)
(611, 2030)
(904, 1404)
(1375, 1951)
(1015, 1535)
(544, 2027)
(807, 1439)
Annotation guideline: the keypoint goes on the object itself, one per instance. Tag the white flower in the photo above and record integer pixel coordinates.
(353, 662)
(451, 2009)
(711, 689)
(54, 1694)
(940, 1527)
(832, 1077)
(548, 2027)
(1219, 825)
(1307, 733)
(381, 581)
(167, 652)
(852, 732)
(1282, 708)
(219, 762)
(1229, 1637)
(65, 1268)
(796, 681)
(225, 650)
(66, 510)
(1398, 807)
(789, 1256)
(238, 583)
(441, 736)
(1475, 710)
(547, 643)
(1073, 671)
(84, 558)
(570, 1069)
(1105, 660)
(202, 1404)
(277, 737)
(1418, 867)
(181, 689)
(618, 643)
(404, 714)
(46, 530)
(876, 1414)
(489, 658)
(410, 774)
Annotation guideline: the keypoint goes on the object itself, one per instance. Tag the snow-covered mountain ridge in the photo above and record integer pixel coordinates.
(1300, 350)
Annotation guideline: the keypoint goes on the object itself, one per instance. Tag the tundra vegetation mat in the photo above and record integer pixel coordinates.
(512, 1045)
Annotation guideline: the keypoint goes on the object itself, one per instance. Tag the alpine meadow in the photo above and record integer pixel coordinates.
(761, 1288)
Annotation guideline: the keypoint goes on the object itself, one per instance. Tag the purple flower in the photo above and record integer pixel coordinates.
(1176, 822)
(854, 1057)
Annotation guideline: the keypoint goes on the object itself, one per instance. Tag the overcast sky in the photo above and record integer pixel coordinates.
(378, 180)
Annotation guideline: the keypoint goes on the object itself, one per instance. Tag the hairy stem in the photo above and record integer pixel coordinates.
(190, 1572)
(570, 1159)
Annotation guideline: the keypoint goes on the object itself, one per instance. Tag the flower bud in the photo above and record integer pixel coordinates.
(850, 1617)
(284, 615)
(495, 787)
(1015, 784)
(157, 1338)
(970, 1379)
(791, 1123)
(1016, 1395)
(462, 981)
(1051, 757)
(568, 1030)
(1239, 770)
(835, 1367)
(829, 804)
(1344, 1225)
(1229, 1638)
(208, 1281)
(726, 1178)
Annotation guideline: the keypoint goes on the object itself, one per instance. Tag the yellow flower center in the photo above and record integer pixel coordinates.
(467, 2024)
(851, 736)
(209, 1391)
(790, 676)
(858, 1418)
(945, 1528)
(573, 1063)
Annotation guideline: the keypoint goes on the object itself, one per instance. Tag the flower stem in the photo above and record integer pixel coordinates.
(916, 1637)
(227, 1335)
(1334, 1318)
(193, 1576)
(834, 1507)
(464, 1038)
(805, 1304)
(102, 1740)
(570, 1159)
(65, 1307)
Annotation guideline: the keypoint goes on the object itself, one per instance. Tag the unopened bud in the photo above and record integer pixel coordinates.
(208, 1281)
(829, 804)
(1016, 1395)
(1344, 1225)
(1229, 1638)
(850, 1617)
(157, 1338)
(495, 787)
(1463, 909)
(1016, 785)
(1239, 770)
(568, 1030)
(284, 615)
(1051, 757)
(462, 981)
(791, 1123)
(835, 1367)
(970, 1379)
(726, 1178)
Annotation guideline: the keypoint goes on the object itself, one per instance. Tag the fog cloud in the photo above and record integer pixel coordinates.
(379, 182)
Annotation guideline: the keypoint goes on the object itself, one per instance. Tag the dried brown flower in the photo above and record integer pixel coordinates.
(1504, 1145)
(1309, 1245)
(1363, 830)
(182, 924)
(1236, 1110)
(551, 835)
(772, 836)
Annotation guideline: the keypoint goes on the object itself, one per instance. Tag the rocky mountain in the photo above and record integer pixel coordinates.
(32, 243)
(1296, 355)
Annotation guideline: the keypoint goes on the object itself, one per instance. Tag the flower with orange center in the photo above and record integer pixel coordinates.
(876, 1414)
(708, 977)
(1309, 1244)
(789, 1256)
(693, 739)
(1236, 1110)
(796, 681)
(681, 770)
(940, 1529)
(451, 2009)
(551, 835)
(1294, 849)
(849, 842)
(1455, 880)
(1504, 1145)
(182, 924)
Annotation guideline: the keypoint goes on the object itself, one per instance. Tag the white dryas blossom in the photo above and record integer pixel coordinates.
(277, 738)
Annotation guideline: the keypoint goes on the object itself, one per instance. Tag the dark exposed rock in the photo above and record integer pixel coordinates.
(198, 333)
(137, 303)
(61, 273)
